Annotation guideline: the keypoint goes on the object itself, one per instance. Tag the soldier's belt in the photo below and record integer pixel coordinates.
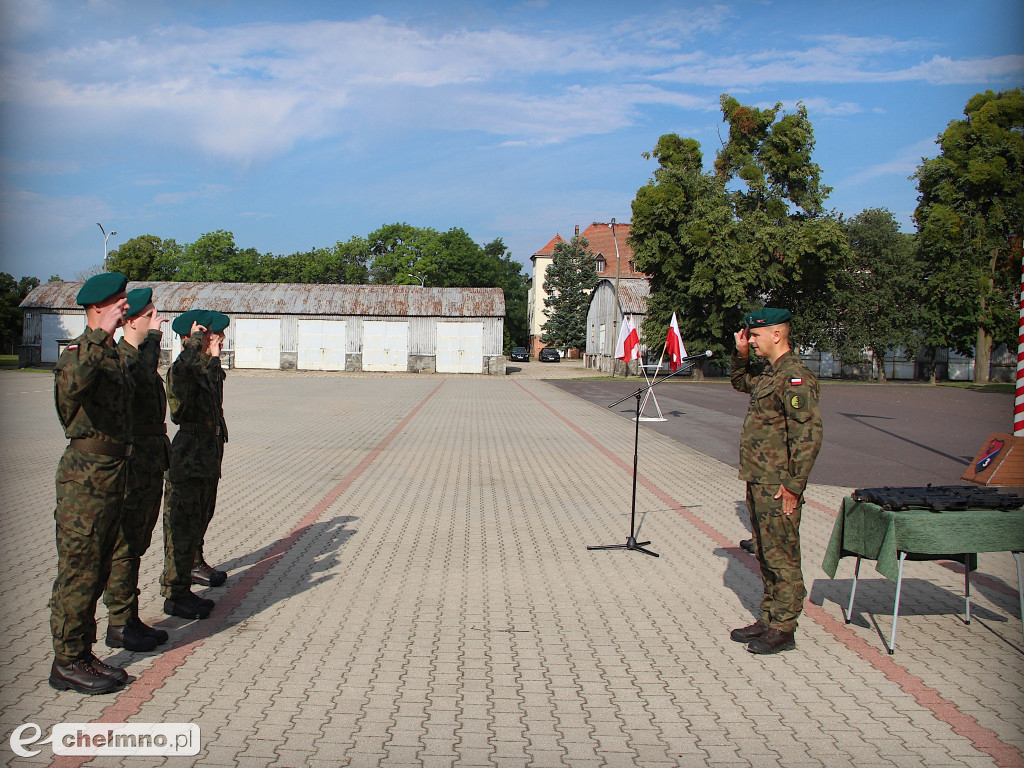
(102, 447)
(204, 429)
(150, 431)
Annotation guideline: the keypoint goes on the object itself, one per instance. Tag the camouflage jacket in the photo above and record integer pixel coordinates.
(195, 394)
(92, 391)
(782, 432)
(151, 450)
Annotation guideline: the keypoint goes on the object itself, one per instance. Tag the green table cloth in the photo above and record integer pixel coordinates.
(867, 530)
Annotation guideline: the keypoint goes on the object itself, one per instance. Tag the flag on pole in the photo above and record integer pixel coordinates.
(627, 346)
(674, 345)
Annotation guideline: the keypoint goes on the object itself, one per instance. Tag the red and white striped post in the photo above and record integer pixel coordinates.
(1018, 403)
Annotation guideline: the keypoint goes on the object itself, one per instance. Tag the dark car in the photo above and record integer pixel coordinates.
(549, 355)
(520, 353)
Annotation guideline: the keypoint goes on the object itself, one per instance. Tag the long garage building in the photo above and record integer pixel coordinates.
(306, 326)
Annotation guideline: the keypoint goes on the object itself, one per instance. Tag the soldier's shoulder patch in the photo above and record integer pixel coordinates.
(798, 401)
(796, 381)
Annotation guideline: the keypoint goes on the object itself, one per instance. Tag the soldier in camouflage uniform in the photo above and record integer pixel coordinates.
(195, 392)
(140, 348)
(92, 393)
(781, 438)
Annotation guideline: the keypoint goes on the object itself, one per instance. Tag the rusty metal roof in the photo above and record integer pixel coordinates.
(297, 299)
(633, 295)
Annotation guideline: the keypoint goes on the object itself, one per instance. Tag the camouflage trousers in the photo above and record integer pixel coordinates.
(141, 510)
(188, 509)
(778, 546)
(90, 499)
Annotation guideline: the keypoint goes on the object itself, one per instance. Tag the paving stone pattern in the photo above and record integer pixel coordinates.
(409, 585)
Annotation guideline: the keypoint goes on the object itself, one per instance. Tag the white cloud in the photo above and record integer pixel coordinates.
(250, 92)
(903, 163)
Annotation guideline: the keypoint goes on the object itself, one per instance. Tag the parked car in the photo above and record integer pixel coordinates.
(549, 355)
(520, 353)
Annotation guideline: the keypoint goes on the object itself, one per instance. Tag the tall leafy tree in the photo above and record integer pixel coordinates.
(971, 202)
(147, 257)
(877, 303)
(569, 281)
(752, 232)
(11, 316)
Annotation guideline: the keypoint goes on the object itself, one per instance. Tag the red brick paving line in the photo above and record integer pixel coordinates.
(981, 738)
(131, 698)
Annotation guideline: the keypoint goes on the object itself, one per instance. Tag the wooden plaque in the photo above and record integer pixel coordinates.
(999, 462)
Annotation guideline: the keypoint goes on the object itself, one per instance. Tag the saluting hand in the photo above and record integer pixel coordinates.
(155, 321)
(742, 338)
(215, 343)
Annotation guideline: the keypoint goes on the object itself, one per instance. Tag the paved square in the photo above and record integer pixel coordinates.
(409, 585)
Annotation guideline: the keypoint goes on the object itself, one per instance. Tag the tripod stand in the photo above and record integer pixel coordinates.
(631, 542)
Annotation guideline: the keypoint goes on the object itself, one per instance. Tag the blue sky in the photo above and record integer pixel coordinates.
(298, 124)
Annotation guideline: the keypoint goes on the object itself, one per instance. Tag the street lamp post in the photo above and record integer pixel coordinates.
(417, 277)
(105, 236)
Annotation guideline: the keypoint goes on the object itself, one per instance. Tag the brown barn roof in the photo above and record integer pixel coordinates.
(298, 299)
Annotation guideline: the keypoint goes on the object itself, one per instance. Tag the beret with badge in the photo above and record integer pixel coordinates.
(101, 287)
(763, 318)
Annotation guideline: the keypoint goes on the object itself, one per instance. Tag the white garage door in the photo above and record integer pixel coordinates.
(385, 346)
(59, 327)
(321, 345)
(257, 343)
(460, 347)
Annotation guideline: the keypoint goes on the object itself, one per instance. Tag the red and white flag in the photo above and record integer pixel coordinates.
(627, 346)
(674, 345)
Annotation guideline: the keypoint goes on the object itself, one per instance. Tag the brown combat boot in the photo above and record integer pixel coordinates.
(746, 634)
(773, 641)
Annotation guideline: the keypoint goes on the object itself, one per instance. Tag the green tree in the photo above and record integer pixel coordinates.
(12, 292)
(877, 304)
(971, 202)
(569, 281)
(147, 257)
(751, 233)
(401, 254)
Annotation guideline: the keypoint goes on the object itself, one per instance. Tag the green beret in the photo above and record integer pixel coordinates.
(762, 318)
(182, 324)
(217, 321)
(138, 300)
(101, 287)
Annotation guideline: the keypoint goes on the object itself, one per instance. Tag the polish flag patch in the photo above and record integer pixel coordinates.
(796, 382)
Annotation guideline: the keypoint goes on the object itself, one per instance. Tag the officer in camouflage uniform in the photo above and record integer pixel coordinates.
(92, 393)
(195, 392)
(140, 348)
(781, 438)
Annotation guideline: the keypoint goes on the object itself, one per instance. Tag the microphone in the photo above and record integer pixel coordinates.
(692, 358)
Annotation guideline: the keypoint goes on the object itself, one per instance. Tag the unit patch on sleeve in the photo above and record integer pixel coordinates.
(798, 402)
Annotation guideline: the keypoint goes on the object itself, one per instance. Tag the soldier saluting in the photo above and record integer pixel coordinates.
(781, 438)
(92, 392)
(195, 393)
(140, 348)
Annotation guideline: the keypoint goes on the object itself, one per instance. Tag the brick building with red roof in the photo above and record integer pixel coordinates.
(614, 259)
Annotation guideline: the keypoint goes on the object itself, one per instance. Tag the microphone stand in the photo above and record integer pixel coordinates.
(631, 542)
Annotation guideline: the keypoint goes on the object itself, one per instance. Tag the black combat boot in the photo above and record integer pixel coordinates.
(130, 638)
(80, 676)
(188, 606)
